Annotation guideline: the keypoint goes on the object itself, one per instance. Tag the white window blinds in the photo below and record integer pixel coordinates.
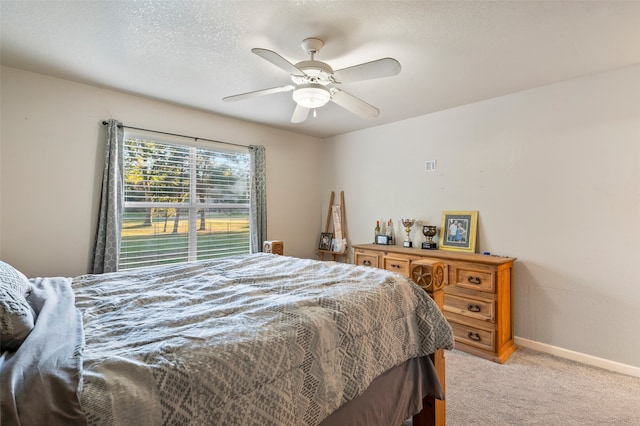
(183, 203)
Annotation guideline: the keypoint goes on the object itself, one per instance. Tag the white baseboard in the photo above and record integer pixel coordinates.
(579, 357)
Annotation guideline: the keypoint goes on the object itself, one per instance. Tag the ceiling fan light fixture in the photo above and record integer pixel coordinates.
(314, 82)
(311, 95)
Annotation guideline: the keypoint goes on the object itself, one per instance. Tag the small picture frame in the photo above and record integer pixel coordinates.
(382, 239)
(325, 241)
(458, 230)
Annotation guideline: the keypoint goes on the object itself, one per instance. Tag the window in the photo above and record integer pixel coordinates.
(183, 202)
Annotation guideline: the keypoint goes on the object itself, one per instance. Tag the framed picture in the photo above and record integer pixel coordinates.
(458, 231)
(325, 241)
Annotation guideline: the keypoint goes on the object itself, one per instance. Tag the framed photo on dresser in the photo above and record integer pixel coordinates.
(458, 230)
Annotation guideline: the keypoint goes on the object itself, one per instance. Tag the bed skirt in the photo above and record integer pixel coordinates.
(392, 397)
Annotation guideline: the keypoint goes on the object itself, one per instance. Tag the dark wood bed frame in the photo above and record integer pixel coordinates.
(429, 275)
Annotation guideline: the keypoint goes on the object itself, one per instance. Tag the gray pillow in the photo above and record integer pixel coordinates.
(16, 315)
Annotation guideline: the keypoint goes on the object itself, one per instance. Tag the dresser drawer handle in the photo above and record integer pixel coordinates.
(395, 265)
(366, 262)
(474, 280)
(473, 308)
(474, 336)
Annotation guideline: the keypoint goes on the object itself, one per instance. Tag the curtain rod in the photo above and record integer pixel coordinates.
(104, 123)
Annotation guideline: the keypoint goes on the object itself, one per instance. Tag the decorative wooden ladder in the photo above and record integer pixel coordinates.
(339, 229)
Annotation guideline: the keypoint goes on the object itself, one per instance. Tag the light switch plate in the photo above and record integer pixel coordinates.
(430, 166)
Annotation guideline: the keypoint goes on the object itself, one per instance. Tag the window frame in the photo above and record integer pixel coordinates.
(193, 206)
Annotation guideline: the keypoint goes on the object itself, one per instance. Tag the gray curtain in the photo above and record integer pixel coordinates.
(106, 250)
(258, 216)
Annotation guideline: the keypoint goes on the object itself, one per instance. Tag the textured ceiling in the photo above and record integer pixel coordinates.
(194, 53)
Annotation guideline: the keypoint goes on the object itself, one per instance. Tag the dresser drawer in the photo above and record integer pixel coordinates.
(398, 265)
(472, 336)
(472, 308)
(475, 278)
(365, 259)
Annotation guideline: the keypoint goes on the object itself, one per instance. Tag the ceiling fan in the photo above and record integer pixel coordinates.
(314, 82)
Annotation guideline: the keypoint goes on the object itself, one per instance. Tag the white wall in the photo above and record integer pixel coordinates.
(52, 158)
(555, 175)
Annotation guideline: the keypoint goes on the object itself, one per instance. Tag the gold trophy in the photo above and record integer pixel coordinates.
(429, 231)
(408, 223)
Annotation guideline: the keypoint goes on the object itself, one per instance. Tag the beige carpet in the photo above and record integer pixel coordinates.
(533, 388)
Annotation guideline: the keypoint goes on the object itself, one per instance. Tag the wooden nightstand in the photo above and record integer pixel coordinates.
(478, 294)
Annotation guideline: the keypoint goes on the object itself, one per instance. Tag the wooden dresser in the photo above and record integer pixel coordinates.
(478, 294)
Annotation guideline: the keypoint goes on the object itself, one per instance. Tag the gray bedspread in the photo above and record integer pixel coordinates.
(248, 340)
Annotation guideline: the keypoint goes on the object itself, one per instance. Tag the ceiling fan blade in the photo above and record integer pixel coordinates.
(355, 105)
(385, 67)
(277, 60)
(299, 114)
(258, 93)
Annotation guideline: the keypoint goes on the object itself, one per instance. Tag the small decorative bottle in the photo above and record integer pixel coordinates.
(377, 231)
(389, 233)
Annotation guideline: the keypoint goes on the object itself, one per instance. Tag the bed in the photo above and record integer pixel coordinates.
(256, 339)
